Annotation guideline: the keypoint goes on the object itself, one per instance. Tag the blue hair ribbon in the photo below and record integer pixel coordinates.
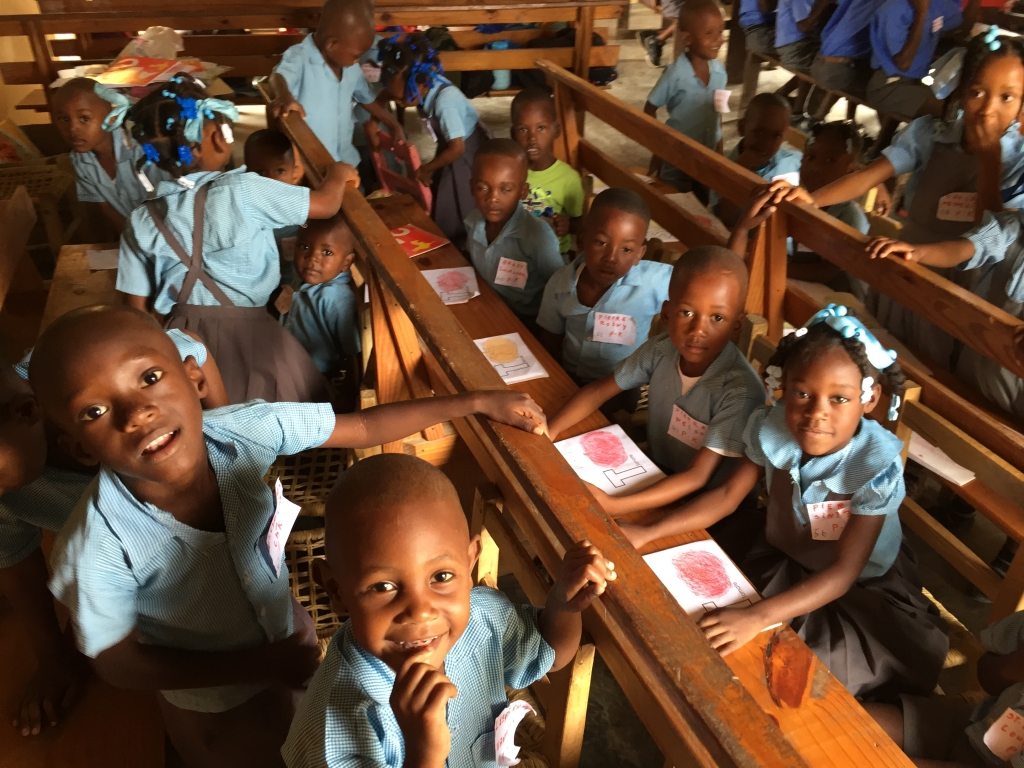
(151, 152)
(119, 106)
(990, 36)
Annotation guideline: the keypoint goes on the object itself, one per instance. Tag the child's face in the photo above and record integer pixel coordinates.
(764, 132)
(612, 242)
(498, 183)
(396, 86)
(79, 120)
(22, 436)
(323, 253)
(405, 577)
(271, 165)
(822, 397)
(825, 160)
(536, 129)
(701, 316)
(345, 47)
(703, 35)
(995, 95)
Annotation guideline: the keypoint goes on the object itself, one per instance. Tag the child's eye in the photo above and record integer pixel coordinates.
(328, 252)
(92, 412)
(801, 394)
(717, 318)
(382, 587)
(149, 378)
(840, 400)
(686, 313)
(444, 576)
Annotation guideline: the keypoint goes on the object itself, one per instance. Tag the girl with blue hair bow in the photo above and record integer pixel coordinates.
(90, 117)
(412, 73)
(831, 560)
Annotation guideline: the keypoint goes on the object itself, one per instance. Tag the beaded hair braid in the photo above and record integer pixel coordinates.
(411, 56)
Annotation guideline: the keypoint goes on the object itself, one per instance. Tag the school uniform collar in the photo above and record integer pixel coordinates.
(632, 278)
(689, 71)
(428, 103)
(511, 228)
(314, 56)
(875, 449)
(714, 377)
(343, 279)
(169, 187)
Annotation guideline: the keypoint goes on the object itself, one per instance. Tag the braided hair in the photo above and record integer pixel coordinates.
(158, 124)
(847, 131)
(820, 338)
(412, 58)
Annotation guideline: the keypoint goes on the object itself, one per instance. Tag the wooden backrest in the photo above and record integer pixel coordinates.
(17, 217)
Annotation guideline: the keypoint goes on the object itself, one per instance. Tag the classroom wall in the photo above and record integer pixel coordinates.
(17, 49)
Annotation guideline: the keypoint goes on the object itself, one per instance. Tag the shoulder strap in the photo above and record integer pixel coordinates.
(195, 263)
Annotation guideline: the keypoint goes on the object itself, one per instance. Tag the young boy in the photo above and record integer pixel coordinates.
(270, 154)
(697, 377)
(797, 42)
(556, 191)
(606, 284)
(843, 62)
(514, 252)
(171, 566)
(417, 675)
(757, 20)
(320, 78)
(687, 87)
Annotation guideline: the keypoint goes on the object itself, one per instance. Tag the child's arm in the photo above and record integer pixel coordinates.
(325, 201)
(284, 102)
(983, 139)
(115, 219)
(380, 112)
(707, 509)
(582, 404)
(419, 700)
(948, 253)
(807, 24)
(760, 206)
(730, 628)
(449, 155)
(395, 421)
(905, 57)
(584, 575)
(54, 687)
(854, 184)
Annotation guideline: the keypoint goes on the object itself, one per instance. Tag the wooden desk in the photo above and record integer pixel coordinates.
(74, 285)
(831, 728)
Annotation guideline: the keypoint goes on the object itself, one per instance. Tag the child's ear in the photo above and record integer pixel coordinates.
(75, 450)
(197, 377)
(475, 548)
(876, 395)
(524, 193)
(556, 129)
(324, 579)
(685, 38)
(664, 313)
(25, 409)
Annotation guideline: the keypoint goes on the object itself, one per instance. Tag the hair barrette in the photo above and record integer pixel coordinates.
(867, 385)
(119, 106)
(772, 380)
(151, 153)
(184, 155)
(990, 37)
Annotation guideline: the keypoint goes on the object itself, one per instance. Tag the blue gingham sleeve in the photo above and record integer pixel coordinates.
(549, 318)
(527, 656)
(726, 432)
(18, 539)
(135, 268)
(638, 368)
(448, 108)
(1004, 636)
(281, 428)
(664, 88)
(86, 188)
(752, 436)
(883, 495)
(272, 203)
(993, 238)
(912, 146)
(187, 346)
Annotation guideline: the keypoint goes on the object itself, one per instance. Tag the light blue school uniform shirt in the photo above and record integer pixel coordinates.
(638, 293)
(328, 101)
(750, 14)
(450, 106)
(868, 471)
(122, 566)
(345, 718)
(890, 28)
(46, 503)
(690, 103)
(723, 399)
(124, 192)
(785, 161)
(1003, 637)
(524, 238)
(848, 31)
(912, 148)
(239, 251)
(787, 14)
(323, 318)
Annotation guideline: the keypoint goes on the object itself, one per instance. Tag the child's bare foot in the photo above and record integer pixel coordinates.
(51, 691)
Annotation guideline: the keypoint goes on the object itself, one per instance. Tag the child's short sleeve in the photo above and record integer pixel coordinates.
(187, 346)
(993, 238)
(135, 269)
(912, 146)
(526, 654)
(572, 202)
(273, 204)
(290, 67)
(18, 539)
(282, 428)
(86, 188)
(550, 318)
(638, 368)
(726, 431)
(363, 91)
(883, 495)
(664, 88)
(752, 436)
(450, 111)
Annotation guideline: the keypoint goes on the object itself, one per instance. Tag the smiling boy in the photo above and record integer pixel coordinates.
(417, 675)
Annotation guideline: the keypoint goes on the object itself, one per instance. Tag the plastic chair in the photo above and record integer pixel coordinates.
(390, 180)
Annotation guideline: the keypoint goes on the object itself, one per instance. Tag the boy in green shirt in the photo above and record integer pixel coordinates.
(556, 191)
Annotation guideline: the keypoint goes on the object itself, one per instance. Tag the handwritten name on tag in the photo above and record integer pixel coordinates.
(285, 513)
(371, 72)
(512, 273)
(722, 100)
(828, 518)
(957, 206)
(506, 751)
(937, 24)
(1005, 737)
(686, 429)
(614, 329)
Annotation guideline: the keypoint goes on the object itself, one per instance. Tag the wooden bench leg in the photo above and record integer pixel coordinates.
(566, 713)
(751, 74)
(486, 571)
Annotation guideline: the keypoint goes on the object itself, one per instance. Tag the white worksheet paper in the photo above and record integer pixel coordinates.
(608, 459)
(102, 259)
(933, 458)
(455, 286)
(511, 358)
(702, 578)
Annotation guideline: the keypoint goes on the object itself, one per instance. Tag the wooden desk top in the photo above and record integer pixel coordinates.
(831, 728)
(74, 285)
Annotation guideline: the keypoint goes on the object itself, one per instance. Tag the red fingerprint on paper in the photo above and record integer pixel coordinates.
(450, 282)
(703, 573)
(604, 449)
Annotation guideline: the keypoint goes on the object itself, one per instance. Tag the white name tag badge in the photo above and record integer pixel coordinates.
(371, 72)
(1005, 737)
(614, 329)
(686, 429)
(957, 206)
(285, 514)
(512, 273)
(937, 24)
(828, 519)
(793, 177)
(506, 752)
(722, 100)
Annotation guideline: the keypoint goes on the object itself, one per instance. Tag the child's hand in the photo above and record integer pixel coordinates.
(983, 134)
(282, 106)
(637, 535)
(51, 691)
(584, 575)
(883, 248)
(560, 224)
(425, 176)
(516, 409)
(419, 700)
(728, 629)
(371, 129)
(342, 174)
(787, 193)
(607, 502)
(759, 208)
(883, 200)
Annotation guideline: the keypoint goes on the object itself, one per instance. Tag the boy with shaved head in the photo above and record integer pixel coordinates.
(417, 675)
(168, 567)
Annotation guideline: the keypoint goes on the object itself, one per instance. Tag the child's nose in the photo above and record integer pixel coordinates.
(137, 413)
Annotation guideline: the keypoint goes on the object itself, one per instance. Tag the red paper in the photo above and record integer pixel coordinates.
(134, 70)
(415, 241)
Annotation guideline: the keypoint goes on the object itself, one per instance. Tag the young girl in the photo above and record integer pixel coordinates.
(412, 74)
(973, 160)
(90, 117)
(210, 267)
(832, 562)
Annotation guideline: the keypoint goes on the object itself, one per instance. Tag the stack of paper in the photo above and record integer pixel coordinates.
(608, 459)
(511, 358)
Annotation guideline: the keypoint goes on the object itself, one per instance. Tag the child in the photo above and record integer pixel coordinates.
(514, 252)
(417, 675)
(556, 191)
(270, 154)
(687, 87)
(841, 579)
(320, 78)
(167, 568)
(979, 154)
(412, 74)
(696, 376)
(938, 729)
(39, 486)
(843, 62)
(757, 20)
(90, 117)
(653, 40)
(222, 294)
(798, 40)
(607, 278)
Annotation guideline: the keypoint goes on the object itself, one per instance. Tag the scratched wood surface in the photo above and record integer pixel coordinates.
(74, 285)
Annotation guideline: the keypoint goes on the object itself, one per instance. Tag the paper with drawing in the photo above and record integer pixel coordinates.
(702, 578)
(511, 358)
(608, 459)
(455, 286)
